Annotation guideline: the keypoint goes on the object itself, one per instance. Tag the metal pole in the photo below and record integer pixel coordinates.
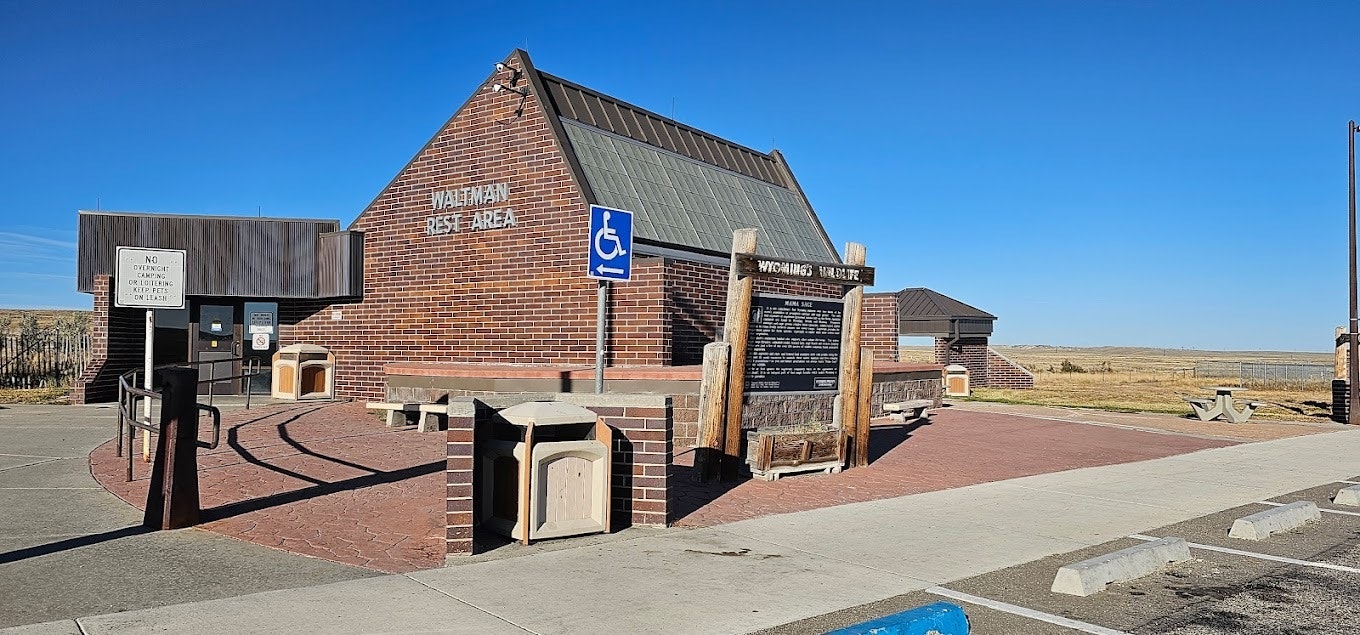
(1353, 368)
(147, 358)
(599, 336)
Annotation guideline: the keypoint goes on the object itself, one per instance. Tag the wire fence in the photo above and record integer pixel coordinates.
(42, 360)
(1267, 374)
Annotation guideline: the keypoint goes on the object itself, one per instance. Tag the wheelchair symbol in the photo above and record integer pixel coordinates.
(607, 234)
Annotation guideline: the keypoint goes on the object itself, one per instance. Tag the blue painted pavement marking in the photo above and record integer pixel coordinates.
(940, 618)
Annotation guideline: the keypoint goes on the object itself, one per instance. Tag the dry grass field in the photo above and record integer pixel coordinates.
(1148, 380)
(47, 318)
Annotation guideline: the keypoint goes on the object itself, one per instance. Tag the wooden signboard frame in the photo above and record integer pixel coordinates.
(721, 409)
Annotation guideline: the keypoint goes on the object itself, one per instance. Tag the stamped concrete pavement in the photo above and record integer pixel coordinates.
(761, 573)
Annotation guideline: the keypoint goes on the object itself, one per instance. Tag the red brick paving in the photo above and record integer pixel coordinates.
(328, 481)
(331, 481)
(954, 449)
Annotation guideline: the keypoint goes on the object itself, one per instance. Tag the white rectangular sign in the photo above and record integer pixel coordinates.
(149, 278)
(261, 322)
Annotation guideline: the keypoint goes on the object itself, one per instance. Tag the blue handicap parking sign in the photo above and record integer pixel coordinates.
(611, 244)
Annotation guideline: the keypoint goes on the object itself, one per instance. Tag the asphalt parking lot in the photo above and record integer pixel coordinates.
(1213, 593)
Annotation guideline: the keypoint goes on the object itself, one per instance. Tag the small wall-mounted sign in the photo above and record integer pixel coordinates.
(335, 314)
(259, 342)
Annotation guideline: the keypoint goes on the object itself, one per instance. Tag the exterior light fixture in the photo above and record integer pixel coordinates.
(496, 88)
(516, 73)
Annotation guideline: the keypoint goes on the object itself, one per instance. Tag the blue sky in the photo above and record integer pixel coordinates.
(1093, 172)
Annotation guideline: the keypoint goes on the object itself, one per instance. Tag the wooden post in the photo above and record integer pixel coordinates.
(172, 496)
(735, 328)
(1341, 352)
(849, 375)
(712, 406)
(864, 409)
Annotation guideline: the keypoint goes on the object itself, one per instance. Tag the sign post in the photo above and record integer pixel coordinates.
(149, 279)
(610, 259)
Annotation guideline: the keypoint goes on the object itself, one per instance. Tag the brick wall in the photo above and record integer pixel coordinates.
(117, 345)
(878, 326)
(970, 352)
(1004, 373)
(641, 460)
(510, 295)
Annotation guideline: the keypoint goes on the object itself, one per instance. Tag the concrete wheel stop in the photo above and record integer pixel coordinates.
(1349, 496)
(1092, 576)
(1262, 525)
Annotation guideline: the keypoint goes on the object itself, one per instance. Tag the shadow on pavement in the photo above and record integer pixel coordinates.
(71, 543)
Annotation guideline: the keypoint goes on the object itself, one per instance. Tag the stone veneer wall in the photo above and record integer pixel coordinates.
(642, 453)
(896, 388)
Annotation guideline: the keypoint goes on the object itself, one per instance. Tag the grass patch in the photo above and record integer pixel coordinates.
(35, 395)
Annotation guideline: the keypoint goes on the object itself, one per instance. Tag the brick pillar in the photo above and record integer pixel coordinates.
(459, 473)
(969, 352)
(83, 387)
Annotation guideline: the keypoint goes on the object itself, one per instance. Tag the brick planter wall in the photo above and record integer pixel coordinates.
(642, 453)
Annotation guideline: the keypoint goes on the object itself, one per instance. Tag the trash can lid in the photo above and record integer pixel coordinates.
(303, 348)
(956, 368)
(547, 413)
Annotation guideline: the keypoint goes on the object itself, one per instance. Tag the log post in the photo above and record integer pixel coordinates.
(849, 372)
(172, 495)
(735, 328)
(712, 407)
(864, 409)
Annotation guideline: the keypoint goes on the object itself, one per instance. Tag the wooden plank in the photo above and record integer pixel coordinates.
(765, 266)
(862, 412)
(712, 406)
(735, 328)
(855, 255)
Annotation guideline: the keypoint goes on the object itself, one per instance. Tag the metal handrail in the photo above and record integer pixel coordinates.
(129, 393)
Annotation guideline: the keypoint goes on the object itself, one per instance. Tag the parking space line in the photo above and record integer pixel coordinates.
(1260, 556)
(1350, 482)
(1024, 612)
(1320, 508)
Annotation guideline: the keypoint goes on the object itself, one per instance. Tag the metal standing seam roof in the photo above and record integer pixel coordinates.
(923, 304)
(685, 187)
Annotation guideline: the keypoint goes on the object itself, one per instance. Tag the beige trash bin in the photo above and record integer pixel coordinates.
(303, 371)
(551, 465)
(956, 381)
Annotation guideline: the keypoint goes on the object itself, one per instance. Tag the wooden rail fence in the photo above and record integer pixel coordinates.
(42, 360)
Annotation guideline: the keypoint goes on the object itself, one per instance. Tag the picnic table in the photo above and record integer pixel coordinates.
(1222, 405)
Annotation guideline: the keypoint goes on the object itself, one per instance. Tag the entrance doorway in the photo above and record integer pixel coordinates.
(218, 340)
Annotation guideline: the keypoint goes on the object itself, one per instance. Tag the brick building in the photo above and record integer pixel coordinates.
(960, 330)
(475, 251)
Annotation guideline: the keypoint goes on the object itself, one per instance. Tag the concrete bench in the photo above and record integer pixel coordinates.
(904, 410)
(398, 414)
(429, 417)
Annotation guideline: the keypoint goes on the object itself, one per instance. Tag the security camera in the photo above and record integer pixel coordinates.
(500, 66)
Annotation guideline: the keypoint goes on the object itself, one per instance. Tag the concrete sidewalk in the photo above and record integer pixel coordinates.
(760, 573)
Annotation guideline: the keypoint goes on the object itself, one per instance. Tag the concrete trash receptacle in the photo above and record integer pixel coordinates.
(549, 463)
(956, 381)
(303, 371)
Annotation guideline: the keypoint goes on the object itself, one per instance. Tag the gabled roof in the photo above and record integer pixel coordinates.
(688, 189)
(923, 304)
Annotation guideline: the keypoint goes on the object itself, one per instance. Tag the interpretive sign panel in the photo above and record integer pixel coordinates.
(794, 344)
(149, 278)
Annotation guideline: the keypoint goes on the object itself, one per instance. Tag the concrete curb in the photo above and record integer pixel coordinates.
(1092, 576)
(940, 618)
(1348, 496)
(1261, 525)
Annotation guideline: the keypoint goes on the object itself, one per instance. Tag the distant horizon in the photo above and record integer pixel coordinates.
(1151, 172)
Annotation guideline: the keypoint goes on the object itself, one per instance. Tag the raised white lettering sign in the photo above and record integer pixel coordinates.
(489, 194)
